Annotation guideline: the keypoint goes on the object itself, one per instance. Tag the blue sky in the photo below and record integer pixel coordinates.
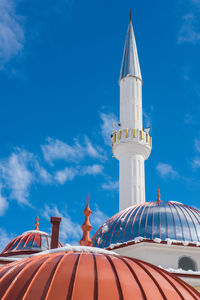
(59, 70)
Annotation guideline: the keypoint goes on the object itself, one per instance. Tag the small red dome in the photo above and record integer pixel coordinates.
(28, 243)
(75, 274)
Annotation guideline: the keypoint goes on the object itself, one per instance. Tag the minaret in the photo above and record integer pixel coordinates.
(131, 145)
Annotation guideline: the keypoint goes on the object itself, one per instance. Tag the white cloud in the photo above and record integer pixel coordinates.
(16, 175)
(166, 170)
(189, 119)
(5, 238)
(147, 114)
(69, 230)
(11, 32)
(43, 174)
(91, 151)
(197, 145)
(67, 174)
(110, 185)
(58, 150)
(92, 170)
(196, 163)
(106, 126)
(3, 204)
(196, 2)
(196, 160)
(97, 218)
(189, 31)
(19, 171)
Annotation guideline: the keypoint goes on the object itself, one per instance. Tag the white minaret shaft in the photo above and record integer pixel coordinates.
(131, 145)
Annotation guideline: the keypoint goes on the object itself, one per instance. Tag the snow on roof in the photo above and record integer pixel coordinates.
(68, 248)
(35, 231)
(9, 258)
(171, 270)
(140, 239)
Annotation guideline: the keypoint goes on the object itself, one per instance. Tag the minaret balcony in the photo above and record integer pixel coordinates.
(131, 136)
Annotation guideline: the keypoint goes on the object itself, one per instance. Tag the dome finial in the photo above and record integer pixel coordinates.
(130, 14)
(158, 196)
(86, 227)
(37, 224)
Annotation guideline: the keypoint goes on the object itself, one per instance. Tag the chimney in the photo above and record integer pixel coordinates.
(55, 232)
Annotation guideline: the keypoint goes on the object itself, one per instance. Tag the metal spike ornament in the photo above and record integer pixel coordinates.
(86, 227)
(158, 196)
(37, 224)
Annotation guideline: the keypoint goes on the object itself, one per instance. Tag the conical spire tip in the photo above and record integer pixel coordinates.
(37, 224)
(130, 63)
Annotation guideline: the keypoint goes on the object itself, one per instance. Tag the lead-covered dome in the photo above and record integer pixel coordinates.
(159, 220)
(89, 274)
(29, 242)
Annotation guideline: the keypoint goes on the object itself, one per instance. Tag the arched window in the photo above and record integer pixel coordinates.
(187, 263)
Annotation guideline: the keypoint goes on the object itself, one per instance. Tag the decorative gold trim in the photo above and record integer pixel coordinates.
(119, 135)
(114, 137)
(151, 142)
(147, 137)
(134, 133)
(141, 135)
(126, 132)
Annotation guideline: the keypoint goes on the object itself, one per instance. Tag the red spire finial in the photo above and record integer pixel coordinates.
(158, 196)
(86, 227)
(37, 224)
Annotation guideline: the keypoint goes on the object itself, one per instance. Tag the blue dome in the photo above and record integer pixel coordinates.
(150, 220)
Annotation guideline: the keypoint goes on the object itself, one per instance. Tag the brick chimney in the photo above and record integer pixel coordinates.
(55, 232)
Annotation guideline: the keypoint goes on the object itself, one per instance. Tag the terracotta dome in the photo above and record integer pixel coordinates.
(74, 273)
(28, 243)
(151, 220)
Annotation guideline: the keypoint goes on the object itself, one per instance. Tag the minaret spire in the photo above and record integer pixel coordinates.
(131, 144)
(86, 227)
(130, 62)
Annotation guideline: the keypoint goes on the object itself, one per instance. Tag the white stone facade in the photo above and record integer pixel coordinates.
(165, 256)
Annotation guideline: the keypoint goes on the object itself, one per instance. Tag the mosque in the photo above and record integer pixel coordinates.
(147, 250)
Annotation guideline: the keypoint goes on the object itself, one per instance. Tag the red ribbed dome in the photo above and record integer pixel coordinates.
(29, 242)
(80, 275)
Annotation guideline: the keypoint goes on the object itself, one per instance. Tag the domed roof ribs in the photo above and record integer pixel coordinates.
(130, 62)
(86, 227)
(89, 274)
(147, 221)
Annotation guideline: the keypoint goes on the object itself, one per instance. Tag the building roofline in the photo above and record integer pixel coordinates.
(172, 242)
